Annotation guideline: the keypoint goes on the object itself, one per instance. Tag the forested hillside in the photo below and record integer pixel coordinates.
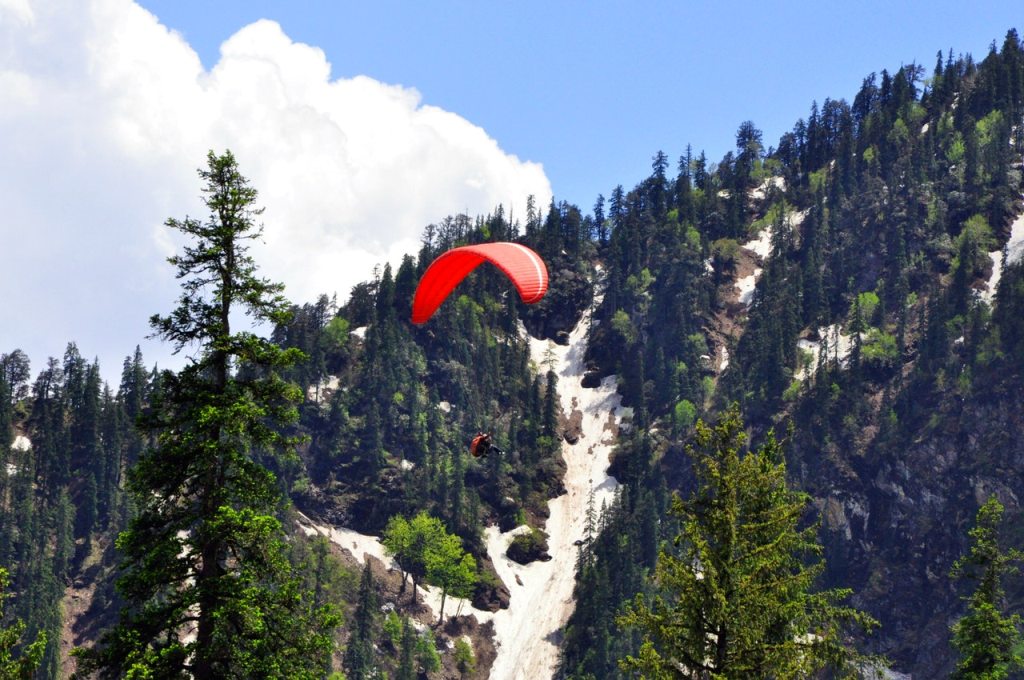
(873, 328)
(857, 286)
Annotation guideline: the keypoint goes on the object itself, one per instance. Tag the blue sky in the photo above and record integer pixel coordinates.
(593, 89)
(362, 122)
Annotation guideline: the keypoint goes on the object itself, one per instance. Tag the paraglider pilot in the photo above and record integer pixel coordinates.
(482, 445)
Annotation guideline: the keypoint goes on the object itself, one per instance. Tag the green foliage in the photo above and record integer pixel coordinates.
(955, 148)
(406, 662)
(879, 350)
(707, 385)
(737, 599)
(819, 176)
(427, 656)
(206, 545)
(527, 546)
(792, 392)
(393, 624)
(988, 641)
(972, 247)
(868, 302)
(684, 415)
(724, 252)
(450, 568)
(988, 127)
(692, 238)
(336, 333)
(465, 660)
(360, 658)
(623, 325)
(23, 667)
(424, 549)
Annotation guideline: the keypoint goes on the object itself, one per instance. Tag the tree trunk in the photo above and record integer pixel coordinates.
(440, 618)
(202, 668)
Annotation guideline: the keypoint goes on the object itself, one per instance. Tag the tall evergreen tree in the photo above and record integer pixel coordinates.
(359, 655)
(23, 667)
(988, 641)
(406, 666)
(207, 582)
(737, 598)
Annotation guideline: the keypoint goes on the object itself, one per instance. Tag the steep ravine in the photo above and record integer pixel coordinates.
(527, 634)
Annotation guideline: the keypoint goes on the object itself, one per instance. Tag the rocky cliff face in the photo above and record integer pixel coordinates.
(896, 508)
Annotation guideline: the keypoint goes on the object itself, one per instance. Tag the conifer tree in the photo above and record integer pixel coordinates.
(10, 635)
(359, 656)
(406, 666)
(988, 641)
(209, 590)
(736, 597)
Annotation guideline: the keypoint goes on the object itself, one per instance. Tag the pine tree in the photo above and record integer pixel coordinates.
(359, 656)
(406, 666)
(21, 668)
(988, 641)
(736, 598)
(205, 553)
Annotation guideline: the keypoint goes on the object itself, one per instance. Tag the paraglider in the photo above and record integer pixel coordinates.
(482, 445)
(523, 266)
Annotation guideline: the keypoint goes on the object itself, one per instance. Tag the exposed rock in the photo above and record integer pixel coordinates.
(572, 425)
(491, 598)
(529, 546)
(569, 293)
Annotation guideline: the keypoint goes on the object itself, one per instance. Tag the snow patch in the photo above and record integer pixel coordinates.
(870, 673)
(989, 294)
(407, 465)
(725, 359)
(1013, 250)
(319, 392)
(746, 287)
(1015, 246)
(839, 346)
(527, 631)
(21, 443)
(761, 190)
(360, 545)
(359, 332)
(541, 592)
(762, 245)
(795, 219)
(445, 406)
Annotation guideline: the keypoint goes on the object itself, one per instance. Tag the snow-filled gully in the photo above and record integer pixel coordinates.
(528, 632)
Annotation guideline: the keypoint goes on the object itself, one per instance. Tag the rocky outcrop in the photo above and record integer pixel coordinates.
(529, 546)
(569, 293)
(895, 512)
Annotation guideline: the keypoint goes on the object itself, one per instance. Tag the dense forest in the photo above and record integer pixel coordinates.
(882, 343)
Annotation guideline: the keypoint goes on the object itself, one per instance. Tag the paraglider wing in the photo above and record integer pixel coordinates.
(523, 266)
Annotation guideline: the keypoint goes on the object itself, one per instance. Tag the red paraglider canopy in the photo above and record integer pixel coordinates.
(519, 263)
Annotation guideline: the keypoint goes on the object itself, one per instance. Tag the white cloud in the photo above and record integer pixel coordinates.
(105, 115)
